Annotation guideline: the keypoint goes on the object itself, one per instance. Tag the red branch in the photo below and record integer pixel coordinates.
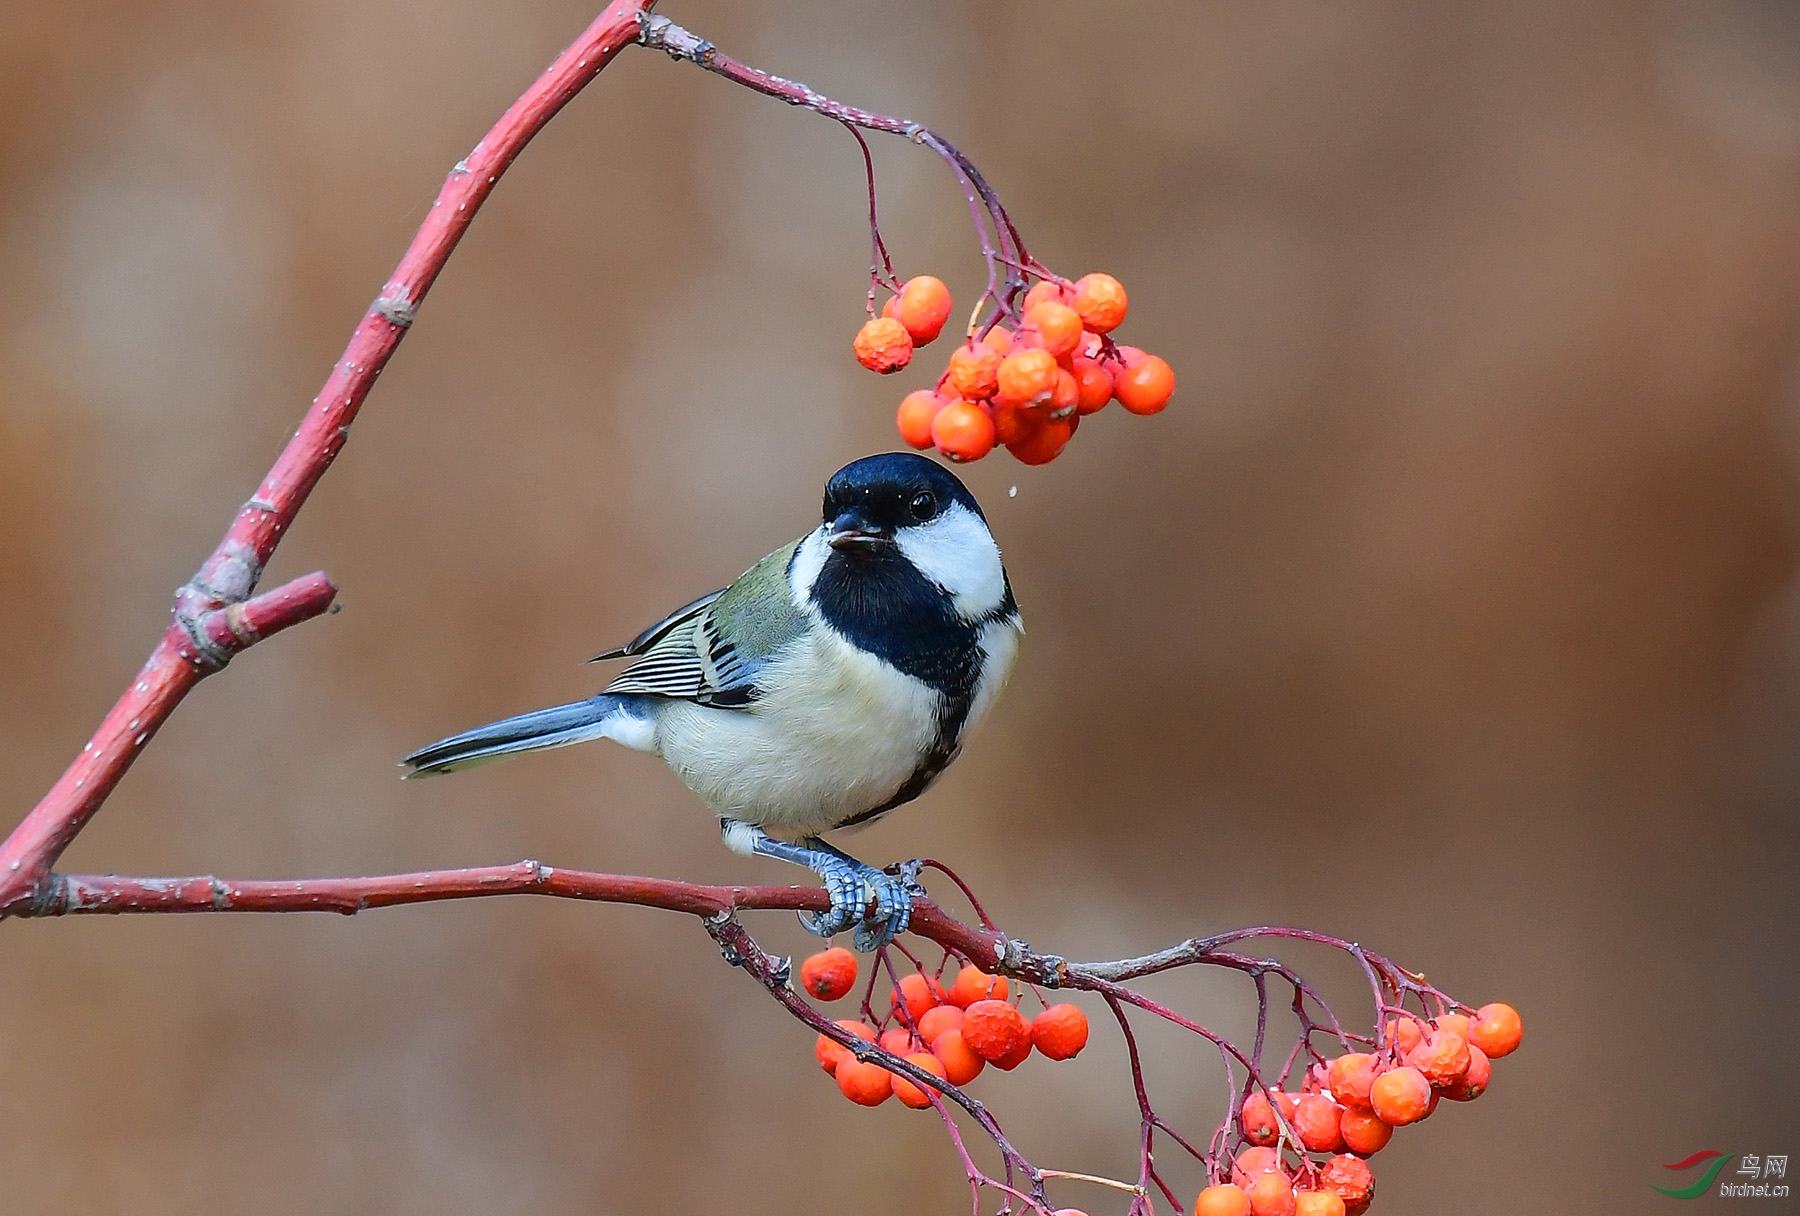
(214, 616)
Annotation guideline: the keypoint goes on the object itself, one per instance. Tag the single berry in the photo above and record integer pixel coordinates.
(1460, 1023)
(883, 345)
(963, 431)
(1316, 1123)
(1497, 1030)
(1045, 290)
(973, 984)
(896, 1039)
(961, 1064)
(1442, 1056)
(937, 1020)
(1401, 1096)
(1046, 441)
(1474, 1081)
(1018, 1055)
(1364, 1133)
(1271, 1195)
(909, 1091)
(1026, 377)
(1012, 423)
(1100, 301)
(1226, 1199)
(829, 974)
(1001, 339)
(1350, 1077)
(1405, 1034)
(1093, 385)
(1287, 1103)
(922, 307)
(865, 1084)
(830, 1053)
(1065, 396)
(918, 992)
(974, 371)
(1144, 387)
(1252, 1163)
(1060, 1032)
(995, 1030)
(914, 418)
(1318, 1203)
(1258, 1120)
(1057, 327)
(1350, 1180)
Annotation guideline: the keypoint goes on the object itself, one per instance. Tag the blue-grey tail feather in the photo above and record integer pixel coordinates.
(558, 726)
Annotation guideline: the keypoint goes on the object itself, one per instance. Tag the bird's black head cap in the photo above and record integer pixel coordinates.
(895, 490)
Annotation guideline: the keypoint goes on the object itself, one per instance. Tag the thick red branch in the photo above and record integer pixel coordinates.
(215, 616)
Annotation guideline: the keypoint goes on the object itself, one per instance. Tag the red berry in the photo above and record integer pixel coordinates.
(1017, 1056)
(995, 1030)
(922, 307)
(883, 345)
(1401, 1096)
(1497, 1030)
(1316, 1123)
(1350, 1180)
(1253, 1162)
(1145, 386)
(974, 371)
(896, 1039)
(1258, 1120)
(1026, 377)
(830, 1053)
(1045, 442)
(963, 431)
(1318, 1203)
(1442, 1056)
(907, 1090)
(961, 1064)
(1012, 423)
(1405, 1033)
(1474, 1081)
(1227, 1199)
(937, 1020)
(1100, 301)
(1056, 326)
(973, 984)
(1364, 1133)
(829, 974)
(865, 1084)
(1271, 1195)
(1093, 385)
(1350, 1077)
(1042, 291)
(915, 415)
(918, 992)
(1060, 1032)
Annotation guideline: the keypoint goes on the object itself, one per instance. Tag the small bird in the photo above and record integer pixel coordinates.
(832, 682)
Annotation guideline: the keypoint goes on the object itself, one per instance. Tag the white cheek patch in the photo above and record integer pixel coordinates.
(809, 559)
(957, 552)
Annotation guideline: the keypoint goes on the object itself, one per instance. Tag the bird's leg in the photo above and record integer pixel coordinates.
(853, 886)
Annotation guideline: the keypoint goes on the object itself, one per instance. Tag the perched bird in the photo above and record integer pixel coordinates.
(829, 684)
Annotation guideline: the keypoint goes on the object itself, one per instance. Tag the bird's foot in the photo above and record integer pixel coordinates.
(877, 905)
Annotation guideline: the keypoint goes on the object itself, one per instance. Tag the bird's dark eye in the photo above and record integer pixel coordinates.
(924, 505)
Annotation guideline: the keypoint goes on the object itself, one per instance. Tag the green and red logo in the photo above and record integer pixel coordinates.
(1719, 1161)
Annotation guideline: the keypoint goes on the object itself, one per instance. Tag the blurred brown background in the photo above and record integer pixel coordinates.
(1452, 607)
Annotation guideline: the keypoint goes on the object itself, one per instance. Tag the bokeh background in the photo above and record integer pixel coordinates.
(1451, 607)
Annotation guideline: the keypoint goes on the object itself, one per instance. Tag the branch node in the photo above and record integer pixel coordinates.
(395, 307)
(662, 34)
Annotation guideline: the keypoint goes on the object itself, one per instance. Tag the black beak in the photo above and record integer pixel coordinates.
(853, 531)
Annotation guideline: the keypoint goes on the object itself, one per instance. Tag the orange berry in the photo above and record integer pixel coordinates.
(864, 1084)
(1443, 1056)
(918, 992)
(973, 984)
(830, 1053)
(1226, 1199)
(1057, 327)
(1252, 1163)
(961, 1064)
(1318, 1203)
(1145, 386)
(887, 310)
(1045, 290)
(1093, 385)
(922, 307)
(1474, 1081)
(829, 974)
(1271, 1195)
(1099, 299)
(963, 431)
(1286, 1103)
(1405, 1034)
(1068, 1212)
(1350, 1180)
(995, 1030)
(1016, 1056)
(1497, 1030)
(1258, 1120)
(1401, 1096)
(896, 1039)
(1012, 423)
(1350, 1077)
(937, 1020)
(915, 415)
(1064, 397)
(1454, 1021)
(974, 371)
(1001, 339)
(1316, 1123)
(1060, 1032)
(883, 345)
(909, 1091)
(1027, 376)
(1364, 1133)
(1046, 441)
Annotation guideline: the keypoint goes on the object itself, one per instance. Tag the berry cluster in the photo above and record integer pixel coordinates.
(953, 1032)
(1350, 1107)
(1026, 387)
